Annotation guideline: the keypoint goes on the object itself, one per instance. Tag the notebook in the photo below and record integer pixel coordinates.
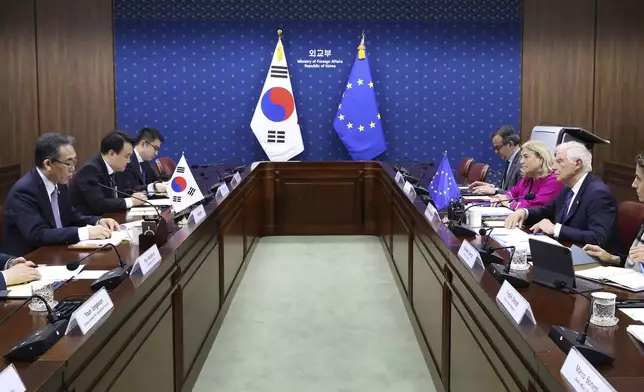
(615, 276)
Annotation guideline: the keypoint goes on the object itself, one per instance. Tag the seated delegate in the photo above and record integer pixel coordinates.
(16, 270)
(585, 212)
(635, 257)
(537, 165)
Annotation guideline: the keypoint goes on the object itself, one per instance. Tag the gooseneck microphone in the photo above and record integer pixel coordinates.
(566, 338)
(38, 342)
(527, 196)
(72, 265)
(93, 182)
(502, 272)
(112, 278)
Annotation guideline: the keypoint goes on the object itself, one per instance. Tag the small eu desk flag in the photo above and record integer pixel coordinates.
(358, 120)
(443, 188)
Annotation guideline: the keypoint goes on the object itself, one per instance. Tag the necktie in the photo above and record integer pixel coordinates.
(113, 185)
(55, 209)
(569, 197)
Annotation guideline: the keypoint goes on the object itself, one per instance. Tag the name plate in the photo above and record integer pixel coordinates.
(430, 212)
(400, 180)
(236, 180)
(147, 260)
(469, 254)
(10, 380)
(581, 375)
(222, 192)
(514, 303)
(90, 312)
(198, 214)
(409, 191)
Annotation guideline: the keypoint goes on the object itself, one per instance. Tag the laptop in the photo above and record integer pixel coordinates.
(552, 264)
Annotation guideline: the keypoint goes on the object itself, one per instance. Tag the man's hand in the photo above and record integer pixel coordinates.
(161, 187)
(109, 224)
(603, 256)
(136, 197)
(484, 190)
(637, 254)
(545, 226)
(515, 219)
(22, 272)
(99, 232)
(499, 200)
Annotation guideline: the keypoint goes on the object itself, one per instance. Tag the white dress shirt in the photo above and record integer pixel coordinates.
(110, 171)
(83, 232)
(140, 160)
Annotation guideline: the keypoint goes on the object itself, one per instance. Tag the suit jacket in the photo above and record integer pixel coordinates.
(3, 260)
(592, 218)
(94, 200)
(131, 180)
(512, 177)
(29, 220)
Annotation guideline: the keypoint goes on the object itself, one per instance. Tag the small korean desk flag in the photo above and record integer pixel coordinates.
(183, 190)
(357, 121)
(443, 188)
(274, 122)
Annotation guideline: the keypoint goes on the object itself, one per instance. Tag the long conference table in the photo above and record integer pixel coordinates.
(163, 325)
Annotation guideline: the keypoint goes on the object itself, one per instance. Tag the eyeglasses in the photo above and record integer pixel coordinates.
(70, 165)
(500, 146)
(156, 149)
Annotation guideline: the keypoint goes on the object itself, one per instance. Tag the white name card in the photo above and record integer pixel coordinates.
(90, 312)
(514, 303)
(10, 380)
(581, 375)
(399, 178)
(409, 191)
(222, 192)
(198, 214)
(147, 260)
(469, 254)
(430, 212)
(236, 180)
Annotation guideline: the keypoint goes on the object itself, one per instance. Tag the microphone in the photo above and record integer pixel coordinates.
(38, 342)
(111, 279)
(566, 338)
(486, 251)
(72, 265)
(157, 226)
(502, 273)
(527, 196)
(398, 166)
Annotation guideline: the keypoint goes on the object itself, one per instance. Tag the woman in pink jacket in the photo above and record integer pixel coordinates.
(537, 165)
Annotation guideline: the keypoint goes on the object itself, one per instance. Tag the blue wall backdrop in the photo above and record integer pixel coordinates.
(446, 72)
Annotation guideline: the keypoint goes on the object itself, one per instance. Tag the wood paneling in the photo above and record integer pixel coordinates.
(18, 83)
(76, 70)
(558, 64)
(619, 82)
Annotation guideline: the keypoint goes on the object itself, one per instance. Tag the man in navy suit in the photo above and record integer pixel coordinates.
(16, 270)
(38, 211)
(138, 175)
(92, 199)
(585, 212)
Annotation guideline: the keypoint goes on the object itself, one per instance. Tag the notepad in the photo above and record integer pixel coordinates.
(614, 276)
(117, 238)
(519, 238)
(637, 331)
(155, 202)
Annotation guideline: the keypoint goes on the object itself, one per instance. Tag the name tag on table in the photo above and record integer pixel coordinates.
(10, 380)
(236, 180)
(581, 375)
(90, 312)
(400, 180)
(221, 193)
(147, 260)
(198, 214)
(469, 255)
(514, 303)
(431, 213)
(409, 191)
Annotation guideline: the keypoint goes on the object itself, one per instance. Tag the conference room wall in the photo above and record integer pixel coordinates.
(446, 74)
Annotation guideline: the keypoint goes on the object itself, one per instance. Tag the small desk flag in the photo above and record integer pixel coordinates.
(274, 122)
(183, 190)
(357, 121)
(443, 187)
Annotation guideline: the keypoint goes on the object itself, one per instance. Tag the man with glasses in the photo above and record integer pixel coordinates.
(506, 145)
(38, 211)
(138, 175)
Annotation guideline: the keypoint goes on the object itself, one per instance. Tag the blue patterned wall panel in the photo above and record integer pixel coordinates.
(447, 73)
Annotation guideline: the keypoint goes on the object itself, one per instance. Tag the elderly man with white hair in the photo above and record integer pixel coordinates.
(585, 212)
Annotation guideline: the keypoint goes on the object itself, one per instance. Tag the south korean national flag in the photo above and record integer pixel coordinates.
(274, 122)
(183, 190)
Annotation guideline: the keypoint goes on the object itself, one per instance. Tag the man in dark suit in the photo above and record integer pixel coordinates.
(138, 175)
(585, 212)
(38, 211)
(506, 145)
(16, 270)
(116, 149)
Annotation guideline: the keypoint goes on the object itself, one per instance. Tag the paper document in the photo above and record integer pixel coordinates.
(615, 276)
(636, 314)
(637, 331)
(518, 238)
(141, 211)
(491, 211)
(90, 274)
(481, 198)
(53, 273)
(117, 238)
(155, 202)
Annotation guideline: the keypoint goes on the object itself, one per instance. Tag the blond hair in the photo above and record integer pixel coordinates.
(541, 150)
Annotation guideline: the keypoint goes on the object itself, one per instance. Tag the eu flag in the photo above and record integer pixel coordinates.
(443, 188)
(358, 120)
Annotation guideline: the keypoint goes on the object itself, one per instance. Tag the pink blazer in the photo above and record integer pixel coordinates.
(545, 190)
